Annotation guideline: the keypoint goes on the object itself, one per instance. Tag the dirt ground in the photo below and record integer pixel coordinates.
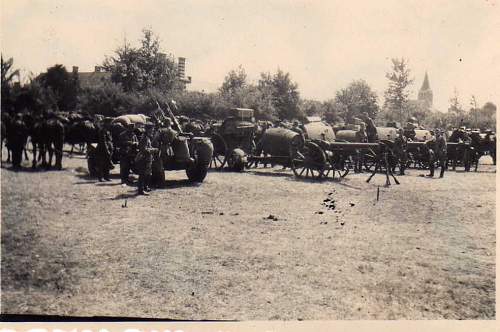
(259, 245)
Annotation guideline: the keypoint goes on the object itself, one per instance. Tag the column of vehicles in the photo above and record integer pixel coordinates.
(315, 149)
(312, 149)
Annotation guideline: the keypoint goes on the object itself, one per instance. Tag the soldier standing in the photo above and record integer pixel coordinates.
(128, 145)
(441, 151)
(104, 153)
(361, 137)
(431, 158)
(144, 160)
(401, 145)
(371, 129)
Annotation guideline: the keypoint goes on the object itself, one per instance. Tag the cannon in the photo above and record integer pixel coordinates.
(186, 152)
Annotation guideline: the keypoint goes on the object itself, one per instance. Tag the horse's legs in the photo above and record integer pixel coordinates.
(51, 152)
(33, 165)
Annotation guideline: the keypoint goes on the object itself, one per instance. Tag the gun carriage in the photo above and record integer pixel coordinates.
(180, 152)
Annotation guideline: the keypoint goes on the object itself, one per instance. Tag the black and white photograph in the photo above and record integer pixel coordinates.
(249, 160)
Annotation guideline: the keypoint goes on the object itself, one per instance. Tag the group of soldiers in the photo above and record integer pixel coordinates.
(138, 147)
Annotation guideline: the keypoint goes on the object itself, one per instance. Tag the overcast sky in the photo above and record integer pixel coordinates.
(323, 44)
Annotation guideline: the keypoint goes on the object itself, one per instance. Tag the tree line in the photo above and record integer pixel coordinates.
(141, 75)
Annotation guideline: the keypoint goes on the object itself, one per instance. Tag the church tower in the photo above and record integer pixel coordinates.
(425, 93)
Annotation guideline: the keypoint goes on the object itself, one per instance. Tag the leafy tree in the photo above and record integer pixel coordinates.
(234, 81)
(8, 75)
(489, 109)
(396, 95)
(332, 111)
(311, 107)
(282, 93)
(143, 68)
(108, 100)
(356, 99)
(60, 87)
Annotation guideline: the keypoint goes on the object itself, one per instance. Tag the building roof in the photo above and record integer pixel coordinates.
(92, 79)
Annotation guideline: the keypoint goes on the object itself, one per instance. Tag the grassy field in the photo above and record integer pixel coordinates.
(258, 245)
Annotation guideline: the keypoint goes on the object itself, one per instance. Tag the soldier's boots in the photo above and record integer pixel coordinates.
(431, 175)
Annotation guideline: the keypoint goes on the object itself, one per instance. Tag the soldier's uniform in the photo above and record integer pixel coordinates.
(432, 159)
(401, 145)
(128, 145)
(162, 140)
(371, 130)
(441, 152)
(361, 137)
(104, 151)
(144, 160)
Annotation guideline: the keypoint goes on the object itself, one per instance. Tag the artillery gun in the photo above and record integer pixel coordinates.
(184, 152)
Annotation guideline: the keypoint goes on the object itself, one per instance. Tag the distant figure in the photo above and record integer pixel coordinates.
(128, 144)
(104, 151)
(361, 137)
(144, 160)
(441, 151)
(401, 145)
(371, 129)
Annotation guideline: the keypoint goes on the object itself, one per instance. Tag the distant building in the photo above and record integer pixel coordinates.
(92, 79)
(181, 73)
(100, 76)
(424, 102)
(425, 94)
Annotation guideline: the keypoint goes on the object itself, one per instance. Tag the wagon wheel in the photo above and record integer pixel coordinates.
(219, 159)
(253, 153)
(339, 166)
(309, 162)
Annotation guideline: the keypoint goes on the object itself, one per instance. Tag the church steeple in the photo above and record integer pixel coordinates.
(425, 85)
(425, 93)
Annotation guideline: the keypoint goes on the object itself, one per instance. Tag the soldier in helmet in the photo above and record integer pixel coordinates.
(401, 144)
(296, 127)
(439, 153)
(128, 144)
(144, 159)
(361, 137)
(431, 156)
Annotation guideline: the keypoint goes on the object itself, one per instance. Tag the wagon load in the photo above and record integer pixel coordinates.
(387, 133)
(278, 141)
(346, 135)
(319, 131)
(131, 118)
(422, 135)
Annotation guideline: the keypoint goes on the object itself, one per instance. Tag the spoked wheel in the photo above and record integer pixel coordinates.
(309, 162)
(219, 159)
(338, 168)
(370, 160)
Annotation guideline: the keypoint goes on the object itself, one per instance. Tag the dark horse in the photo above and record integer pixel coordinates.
(47, 136)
